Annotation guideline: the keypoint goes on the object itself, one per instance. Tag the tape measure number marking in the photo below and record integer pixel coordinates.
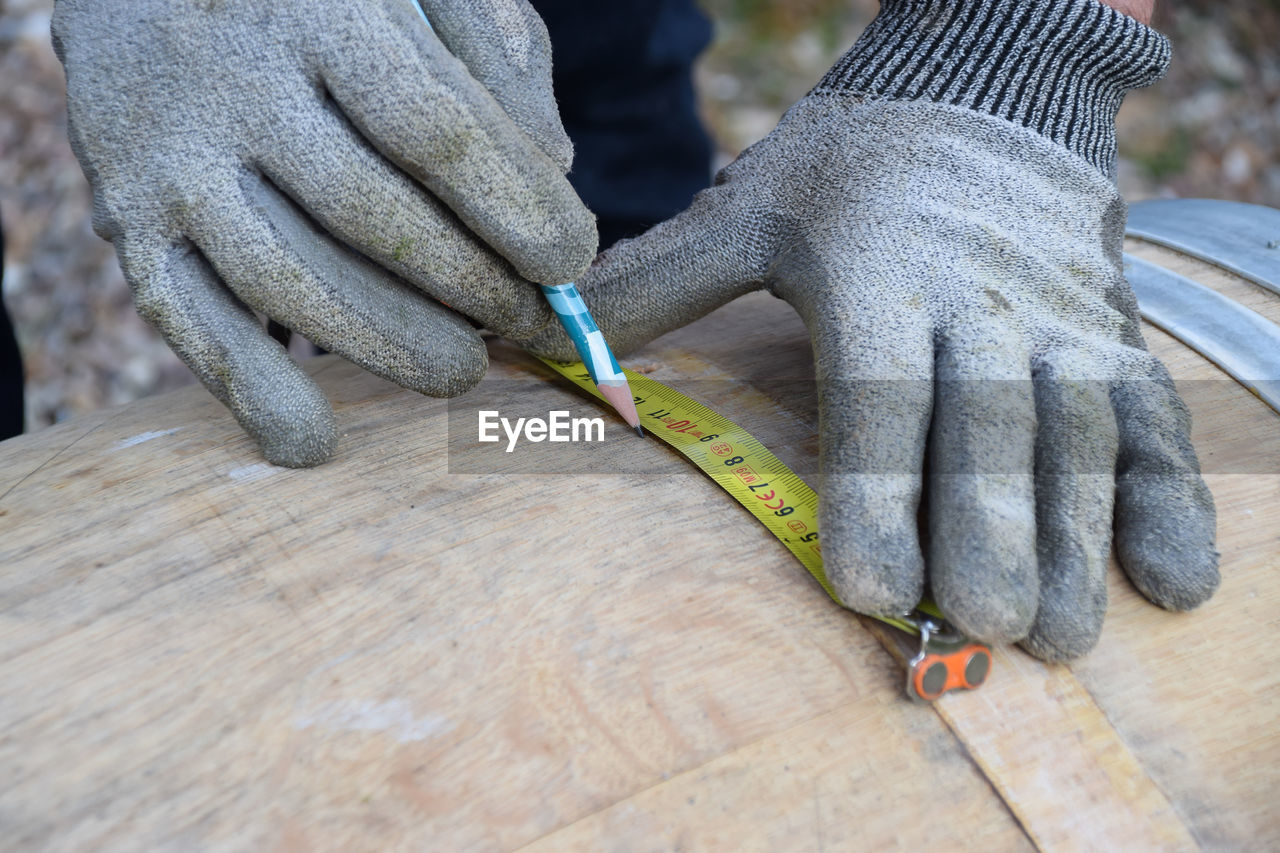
(786, 505)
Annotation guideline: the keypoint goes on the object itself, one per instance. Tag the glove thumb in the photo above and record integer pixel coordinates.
(671, 275)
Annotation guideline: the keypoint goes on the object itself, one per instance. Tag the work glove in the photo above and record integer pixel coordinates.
(338, 167)
(939, 211)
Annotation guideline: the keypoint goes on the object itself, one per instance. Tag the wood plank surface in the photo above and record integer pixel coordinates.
(201, 651)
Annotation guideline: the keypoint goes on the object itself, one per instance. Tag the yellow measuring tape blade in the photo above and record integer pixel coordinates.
(740, 464)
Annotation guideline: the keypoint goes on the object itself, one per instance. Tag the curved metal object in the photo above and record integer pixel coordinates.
(1242, 342)
(1242, 238)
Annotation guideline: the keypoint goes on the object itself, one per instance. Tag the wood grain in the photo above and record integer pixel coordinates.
(202, 651)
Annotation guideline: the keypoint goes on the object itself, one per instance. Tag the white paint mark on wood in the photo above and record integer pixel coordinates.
(394, 717)
(249, 473)
(143, 437)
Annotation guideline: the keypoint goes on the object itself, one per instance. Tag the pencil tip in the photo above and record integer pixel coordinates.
(619, 396)
(639, 430)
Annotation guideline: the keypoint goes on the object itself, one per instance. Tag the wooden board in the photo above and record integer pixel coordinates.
(202, 651)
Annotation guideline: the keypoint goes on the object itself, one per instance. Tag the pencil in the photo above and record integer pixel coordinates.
(586, 336)
(596, 355)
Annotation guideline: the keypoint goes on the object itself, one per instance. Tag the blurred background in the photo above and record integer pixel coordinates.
(1210, 129)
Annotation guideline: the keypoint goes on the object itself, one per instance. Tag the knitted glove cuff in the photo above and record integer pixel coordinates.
(1058, 67)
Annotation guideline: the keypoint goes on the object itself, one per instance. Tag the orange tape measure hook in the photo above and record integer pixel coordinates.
(946, 660)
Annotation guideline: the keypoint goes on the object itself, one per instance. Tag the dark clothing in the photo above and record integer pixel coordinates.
(623, 74)
(10, 368)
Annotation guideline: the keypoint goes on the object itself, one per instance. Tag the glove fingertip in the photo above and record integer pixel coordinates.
(1165, 535)
(454, 364)
(546, 131)
(1058, 649)
(294, 428)
(992, 613)
(1177, 576)
(556, 143)
(297, 441)
(875, 582)
(870, 543)
(563, 249)
(982, 563)
(878, 590)
(1062, 633)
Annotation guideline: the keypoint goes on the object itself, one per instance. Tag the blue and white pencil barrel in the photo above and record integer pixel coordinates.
(584, 333)
(417, 5)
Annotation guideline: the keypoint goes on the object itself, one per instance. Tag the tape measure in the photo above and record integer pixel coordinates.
(783, 502)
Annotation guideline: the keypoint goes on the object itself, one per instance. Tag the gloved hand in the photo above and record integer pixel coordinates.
(938, 210)
(333, 165)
